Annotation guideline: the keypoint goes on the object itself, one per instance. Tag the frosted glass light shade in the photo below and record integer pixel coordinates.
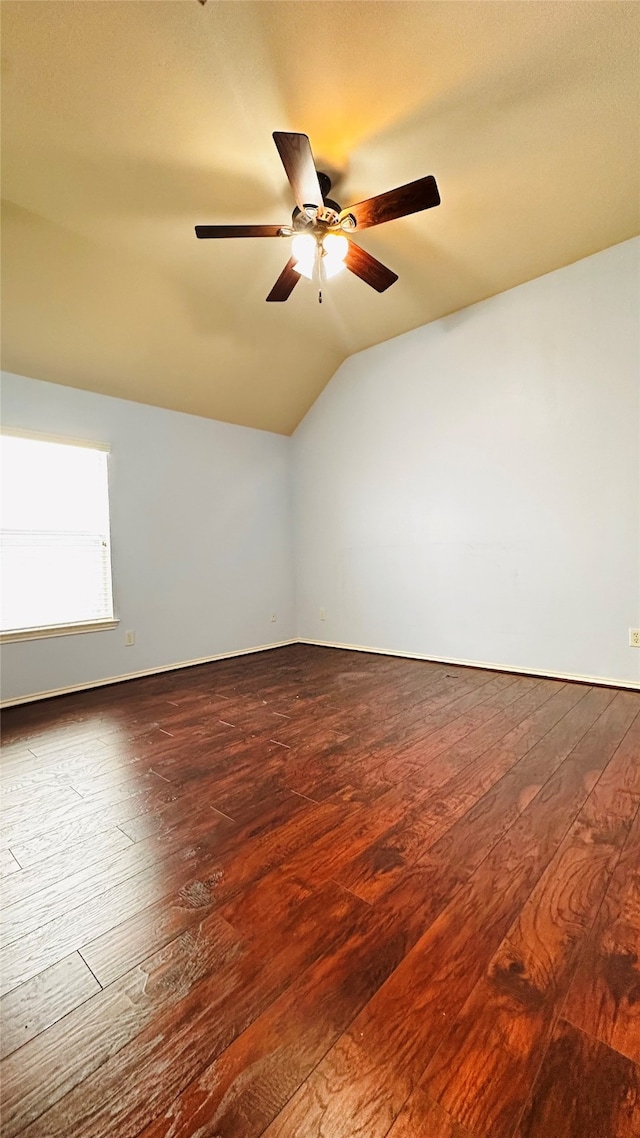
(303, 247)
(306, 267)
(331, 266)
(335, 246)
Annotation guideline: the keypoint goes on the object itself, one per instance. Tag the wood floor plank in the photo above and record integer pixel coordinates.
(215, 759)
(167, 815)
(20, 805)
(54, 1062)
(321, 887)
(487, 723)
(230, 795)
(30, 781)
(437, 722)
(490, 799)
(604, 997)
(34, 1006)
(583, 1088)
(470, 813)
(211, 858)
(132, 941)
(435, 817)
(246, 1086)
(88, 883)
(482, 1072)
(19, 831)
(72, 825)
(323, 859)
(251, 911)
(449, 862)
(8, 864)
(383, 1054)
(420, 1117)
(322, 772)
(70, 931)
(60, 866)
(236, 864)
(59, 746)
(443, 726)
(393, 762)
(131, 1088)
(93, 817)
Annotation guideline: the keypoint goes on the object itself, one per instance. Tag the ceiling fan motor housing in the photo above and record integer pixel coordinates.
(310, 216)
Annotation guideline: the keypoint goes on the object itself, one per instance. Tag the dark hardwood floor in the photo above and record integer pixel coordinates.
(321, 894)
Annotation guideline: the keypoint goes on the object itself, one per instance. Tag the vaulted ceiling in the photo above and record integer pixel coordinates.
(125, 124)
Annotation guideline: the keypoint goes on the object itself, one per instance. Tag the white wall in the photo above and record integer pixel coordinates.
(201, 538)
(470, 490)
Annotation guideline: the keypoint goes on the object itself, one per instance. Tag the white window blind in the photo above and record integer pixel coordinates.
(55, 549)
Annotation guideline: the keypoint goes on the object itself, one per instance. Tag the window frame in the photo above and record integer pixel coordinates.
(44, 631)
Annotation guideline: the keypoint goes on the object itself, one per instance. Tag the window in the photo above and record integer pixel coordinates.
(55, 549)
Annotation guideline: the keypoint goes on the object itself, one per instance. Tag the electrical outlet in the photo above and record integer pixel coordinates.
(274, 617)
(634, 637)
(129, 638)
(323, 614)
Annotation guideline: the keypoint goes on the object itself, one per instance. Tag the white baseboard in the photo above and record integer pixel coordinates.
(605, 681)
(138, 675)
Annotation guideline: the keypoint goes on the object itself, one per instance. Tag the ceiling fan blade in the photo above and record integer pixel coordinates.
(368, 269)
(412, 198)
(286, 282)
(297, 159)
(240, 231)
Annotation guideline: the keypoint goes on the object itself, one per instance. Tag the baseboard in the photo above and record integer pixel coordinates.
(602, 681)
(139, 675)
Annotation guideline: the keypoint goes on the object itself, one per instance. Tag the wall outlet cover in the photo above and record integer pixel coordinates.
(634, 637)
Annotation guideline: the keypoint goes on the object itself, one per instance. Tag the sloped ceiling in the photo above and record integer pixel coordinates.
(124, 124)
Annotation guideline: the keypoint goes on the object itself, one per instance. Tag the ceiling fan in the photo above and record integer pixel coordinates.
(320, 247)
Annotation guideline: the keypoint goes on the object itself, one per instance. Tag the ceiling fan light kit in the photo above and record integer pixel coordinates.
(319, 226)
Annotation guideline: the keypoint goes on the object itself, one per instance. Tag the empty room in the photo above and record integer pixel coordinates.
(320, 449)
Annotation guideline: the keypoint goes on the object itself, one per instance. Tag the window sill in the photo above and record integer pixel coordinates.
(57, 630)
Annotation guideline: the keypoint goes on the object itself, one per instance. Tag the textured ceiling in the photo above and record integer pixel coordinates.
(124, 124)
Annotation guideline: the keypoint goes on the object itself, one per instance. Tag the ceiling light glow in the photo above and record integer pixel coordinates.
(305, 249)
(331, 266)
(306, 268)
(335, 246)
